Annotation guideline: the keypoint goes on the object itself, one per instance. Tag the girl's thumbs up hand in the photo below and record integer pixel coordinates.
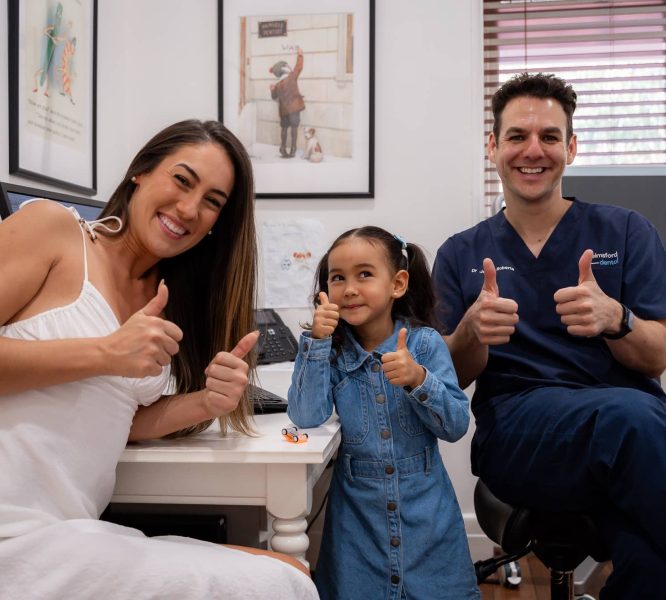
(400, 367)
(326, 317)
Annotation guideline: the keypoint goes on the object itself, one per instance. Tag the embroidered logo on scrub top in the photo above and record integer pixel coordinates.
(605, 259)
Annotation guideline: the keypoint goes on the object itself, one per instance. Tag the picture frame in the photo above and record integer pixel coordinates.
(52, 92)
(296, 86)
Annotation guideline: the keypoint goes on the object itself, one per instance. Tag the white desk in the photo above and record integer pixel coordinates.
(234, 470)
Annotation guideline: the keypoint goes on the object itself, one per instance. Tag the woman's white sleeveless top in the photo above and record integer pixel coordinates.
(59, 445)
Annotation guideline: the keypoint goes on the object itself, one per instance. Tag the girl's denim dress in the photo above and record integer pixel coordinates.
(393, 525)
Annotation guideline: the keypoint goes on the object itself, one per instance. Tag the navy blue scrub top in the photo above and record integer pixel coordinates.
(629, 265)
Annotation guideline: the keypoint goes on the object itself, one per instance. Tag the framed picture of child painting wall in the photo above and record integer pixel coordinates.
(296, 85)
(52, 92)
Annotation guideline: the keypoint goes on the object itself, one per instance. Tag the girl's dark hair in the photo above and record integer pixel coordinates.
(212, 285)
(417, 304)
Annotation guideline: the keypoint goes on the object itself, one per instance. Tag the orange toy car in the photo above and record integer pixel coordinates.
(291, 434)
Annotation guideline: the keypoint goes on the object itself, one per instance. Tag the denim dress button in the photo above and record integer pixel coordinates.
(395, 542)
(375, 367)
(380, 398)
(423, 397)
(386, 434)
(389, 469)
(395, 579)
(392, 505)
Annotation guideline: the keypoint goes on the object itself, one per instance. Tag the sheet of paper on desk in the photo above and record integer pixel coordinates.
(291, 251)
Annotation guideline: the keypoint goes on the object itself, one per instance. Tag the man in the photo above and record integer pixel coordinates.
(557, 309)
(290, 101)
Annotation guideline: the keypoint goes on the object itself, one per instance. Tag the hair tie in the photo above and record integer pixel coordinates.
(403, 248)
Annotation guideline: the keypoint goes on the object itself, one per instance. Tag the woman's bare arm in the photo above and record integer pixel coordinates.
(33, 243)
(37, 274)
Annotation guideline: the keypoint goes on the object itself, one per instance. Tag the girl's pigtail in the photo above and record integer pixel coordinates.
(417, 305)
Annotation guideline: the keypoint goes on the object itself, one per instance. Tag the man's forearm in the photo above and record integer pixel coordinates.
(644, 349)
(468, 354)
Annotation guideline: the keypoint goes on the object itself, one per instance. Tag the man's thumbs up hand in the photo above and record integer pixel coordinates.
(585, 267)
(491, 319)
(490, 278)
(585, 309)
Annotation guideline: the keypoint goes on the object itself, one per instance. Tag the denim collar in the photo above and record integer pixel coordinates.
(353, 353)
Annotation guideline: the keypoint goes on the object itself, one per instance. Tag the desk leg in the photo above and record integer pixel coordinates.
(289, 501)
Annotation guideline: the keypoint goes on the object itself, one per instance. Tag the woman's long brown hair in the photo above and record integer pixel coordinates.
(212, 286)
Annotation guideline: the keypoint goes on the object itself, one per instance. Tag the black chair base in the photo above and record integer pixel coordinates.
(562, 541)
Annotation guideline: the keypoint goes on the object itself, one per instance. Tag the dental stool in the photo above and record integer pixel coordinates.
(562, 541)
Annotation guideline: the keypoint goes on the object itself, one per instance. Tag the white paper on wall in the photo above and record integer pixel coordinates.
(292, 250)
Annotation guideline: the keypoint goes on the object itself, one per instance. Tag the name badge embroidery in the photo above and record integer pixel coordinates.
(498, 269)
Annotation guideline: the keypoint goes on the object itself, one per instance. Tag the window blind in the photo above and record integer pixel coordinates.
(613, 52)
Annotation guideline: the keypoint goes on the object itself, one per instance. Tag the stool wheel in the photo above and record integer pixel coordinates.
(510, 575)
(585, 597)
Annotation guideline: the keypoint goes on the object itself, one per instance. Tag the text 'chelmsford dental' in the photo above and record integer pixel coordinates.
(605, 259)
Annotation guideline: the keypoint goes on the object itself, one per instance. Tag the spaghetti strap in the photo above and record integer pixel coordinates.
(77, 216)
(86, 227)
(81, 222)
(89, 228)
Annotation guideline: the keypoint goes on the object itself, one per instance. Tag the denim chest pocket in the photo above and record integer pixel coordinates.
(409, 421)
(351, 404)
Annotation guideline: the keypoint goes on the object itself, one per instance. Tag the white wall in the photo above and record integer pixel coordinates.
(157, 63)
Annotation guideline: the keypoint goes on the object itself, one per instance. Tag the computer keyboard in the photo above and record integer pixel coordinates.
(265, 402)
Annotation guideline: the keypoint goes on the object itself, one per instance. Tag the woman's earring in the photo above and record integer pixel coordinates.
(133, 179)
(210, 232)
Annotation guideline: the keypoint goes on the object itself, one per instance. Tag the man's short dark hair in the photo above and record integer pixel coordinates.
(538, 85)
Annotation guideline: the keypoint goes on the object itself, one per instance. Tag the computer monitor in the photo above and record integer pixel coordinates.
(643, 193)
(12, 195)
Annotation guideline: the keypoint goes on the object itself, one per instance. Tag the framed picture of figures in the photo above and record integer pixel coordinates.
(296, 85)
(52, 92)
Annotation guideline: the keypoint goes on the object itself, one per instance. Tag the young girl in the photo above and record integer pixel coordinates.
(393, 526)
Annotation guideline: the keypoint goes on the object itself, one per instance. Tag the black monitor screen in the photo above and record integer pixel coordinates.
(643, 193)
(13, 195)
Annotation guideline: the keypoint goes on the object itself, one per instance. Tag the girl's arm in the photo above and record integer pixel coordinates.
(439, 401)
(429, 381)
(310, 394)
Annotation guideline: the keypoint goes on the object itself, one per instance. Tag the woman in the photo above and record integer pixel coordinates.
(94, 318)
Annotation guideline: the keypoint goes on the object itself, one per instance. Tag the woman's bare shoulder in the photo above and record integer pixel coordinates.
(44, 221)
(33, 242)
(48, 210)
